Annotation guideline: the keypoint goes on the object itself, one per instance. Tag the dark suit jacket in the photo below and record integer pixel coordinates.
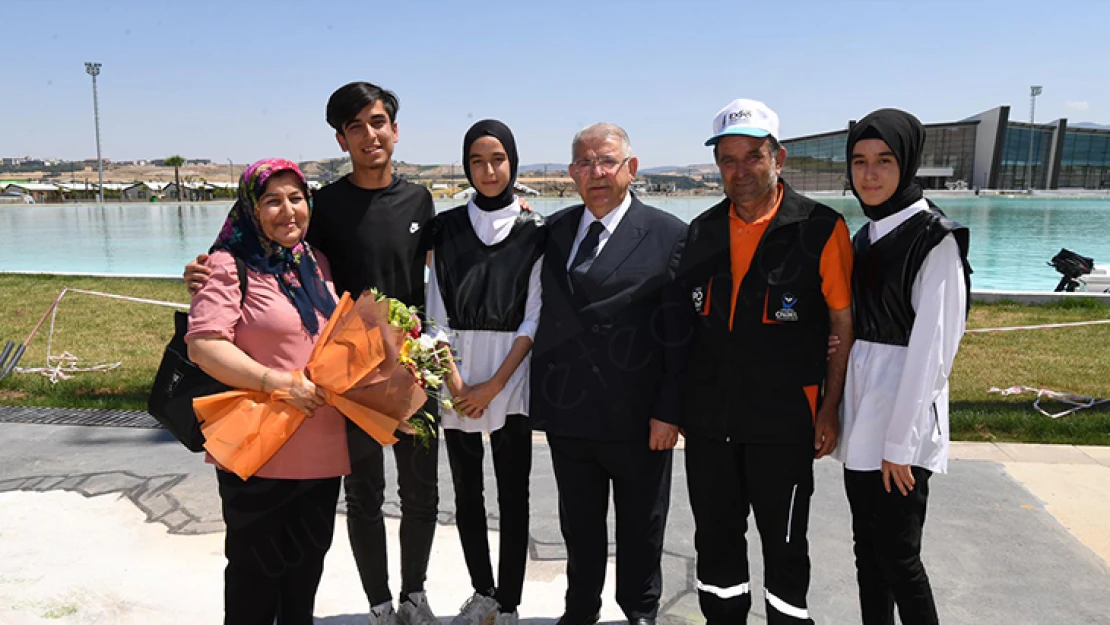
(607, 355)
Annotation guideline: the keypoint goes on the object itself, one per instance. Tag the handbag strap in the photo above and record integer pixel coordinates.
(241, 270)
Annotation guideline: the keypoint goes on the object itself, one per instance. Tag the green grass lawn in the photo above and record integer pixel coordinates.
(1075, 360)
(91, 328)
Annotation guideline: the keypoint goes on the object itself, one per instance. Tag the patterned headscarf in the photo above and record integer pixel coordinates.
(295, 268)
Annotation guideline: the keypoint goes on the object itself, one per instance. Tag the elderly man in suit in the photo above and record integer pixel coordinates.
(605, 375)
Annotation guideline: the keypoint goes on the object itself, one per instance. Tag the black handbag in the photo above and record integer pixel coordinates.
(178, 381)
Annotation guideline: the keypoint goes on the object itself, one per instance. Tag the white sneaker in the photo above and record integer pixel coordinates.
(383, 614)
(416, 611)
(478, 610)
(506, 618)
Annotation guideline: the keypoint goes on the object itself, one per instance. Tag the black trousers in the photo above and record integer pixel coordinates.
(512, 465)
(726, 480)
(886, 530)
(641, 481)
(417, 485)
(278, 532)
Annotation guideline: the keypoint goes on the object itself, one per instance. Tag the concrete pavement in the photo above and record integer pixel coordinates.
(122, 525)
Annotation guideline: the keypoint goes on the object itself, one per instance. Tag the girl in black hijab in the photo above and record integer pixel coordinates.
(499, 131)
(905, 137)
(910, 287)
(484, 293)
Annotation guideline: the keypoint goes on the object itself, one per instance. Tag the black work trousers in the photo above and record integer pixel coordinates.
(886, 531)
(641, 481)
(417, 486)
(511, 447)
(726, 481)
(278, 532)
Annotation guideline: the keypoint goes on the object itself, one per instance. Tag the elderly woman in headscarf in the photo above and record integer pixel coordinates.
(484, 291)
(281, 520)
(910, 287)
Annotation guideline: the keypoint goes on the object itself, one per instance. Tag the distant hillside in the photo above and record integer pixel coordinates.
(331, 169)
(1089, 125)
(541, 166)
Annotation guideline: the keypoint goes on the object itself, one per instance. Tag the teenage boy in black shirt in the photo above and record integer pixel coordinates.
(371, 226)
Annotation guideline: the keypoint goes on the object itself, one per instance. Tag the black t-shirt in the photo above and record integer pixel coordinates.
(374, 238)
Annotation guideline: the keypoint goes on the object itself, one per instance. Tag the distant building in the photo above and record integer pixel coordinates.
(39, 192)
(142, 191)
(987, 150)
(190, 192)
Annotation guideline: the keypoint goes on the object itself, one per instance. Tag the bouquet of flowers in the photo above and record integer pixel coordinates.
(428, 358)
(372, 364)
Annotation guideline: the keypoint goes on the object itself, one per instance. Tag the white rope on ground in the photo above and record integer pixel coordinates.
(63, 366)
(1077, 402)
(130, 299)
(1044, 326)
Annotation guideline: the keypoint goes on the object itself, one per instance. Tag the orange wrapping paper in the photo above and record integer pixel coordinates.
(354, 362)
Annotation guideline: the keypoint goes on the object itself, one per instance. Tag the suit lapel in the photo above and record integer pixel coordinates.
(630, 232)
(562, 238)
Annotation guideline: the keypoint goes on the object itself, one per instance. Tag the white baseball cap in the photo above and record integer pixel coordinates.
(745, 117)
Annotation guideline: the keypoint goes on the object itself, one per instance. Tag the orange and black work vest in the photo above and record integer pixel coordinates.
(760, 381)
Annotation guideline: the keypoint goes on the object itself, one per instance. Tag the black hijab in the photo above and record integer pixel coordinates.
(906, 137)
(501, 132)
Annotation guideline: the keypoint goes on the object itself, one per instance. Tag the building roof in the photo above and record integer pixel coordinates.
(34, 186)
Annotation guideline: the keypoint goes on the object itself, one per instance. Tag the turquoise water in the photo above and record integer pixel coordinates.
(1011, 238)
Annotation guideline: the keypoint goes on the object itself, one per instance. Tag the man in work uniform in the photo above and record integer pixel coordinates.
(768, 274)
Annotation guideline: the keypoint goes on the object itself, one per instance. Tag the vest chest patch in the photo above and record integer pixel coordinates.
(787, 312)
(698, 297)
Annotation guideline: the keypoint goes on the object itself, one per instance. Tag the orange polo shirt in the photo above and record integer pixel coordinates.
(836, 258)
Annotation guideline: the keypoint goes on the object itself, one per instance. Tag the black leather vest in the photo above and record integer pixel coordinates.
(884, 272)
(485, 287)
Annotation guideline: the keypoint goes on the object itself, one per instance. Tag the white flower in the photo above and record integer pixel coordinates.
(432, 379)
(441, 337)
(426, 342)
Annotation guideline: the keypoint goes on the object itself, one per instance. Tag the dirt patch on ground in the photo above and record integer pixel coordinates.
(10, 395)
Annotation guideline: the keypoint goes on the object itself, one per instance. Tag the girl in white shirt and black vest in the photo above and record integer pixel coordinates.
(910, 286)
(484, 292)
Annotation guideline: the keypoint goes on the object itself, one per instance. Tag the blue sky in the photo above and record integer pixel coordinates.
(247, 80)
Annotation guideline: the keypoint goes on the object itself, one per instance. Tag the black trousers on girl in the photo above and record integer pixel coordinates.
(886, 529)
(726, 481)
(278, 532)
(512, 466)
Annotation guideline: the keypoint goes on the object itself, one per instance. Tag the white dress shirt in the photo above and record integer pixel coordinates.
(609, 221)
(481, 351)
(895, 404)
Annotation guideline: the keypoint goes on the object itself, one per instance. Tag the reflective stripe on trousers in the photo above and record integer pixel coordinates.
(724, 593)
(784, 607)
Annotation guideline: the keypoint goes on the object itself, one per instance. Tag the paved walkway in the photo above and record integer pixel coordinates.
(122, 525)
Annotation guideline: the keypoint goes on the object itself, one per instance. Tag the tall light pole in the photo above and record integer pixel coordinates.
(93, 69)
(230, 171)
(1034, 91)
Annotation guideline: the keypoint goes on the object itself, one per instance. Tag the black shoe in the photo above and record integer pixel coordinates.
(641, 621)
(570, 620)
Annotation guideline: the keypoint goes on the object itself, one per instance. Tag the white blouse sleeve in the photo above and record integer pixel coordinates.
(532, 304)
(436, 311)
(940, 304)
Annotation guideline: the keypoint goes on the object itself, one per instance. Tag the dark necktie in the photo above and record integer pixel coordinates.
(587, 252)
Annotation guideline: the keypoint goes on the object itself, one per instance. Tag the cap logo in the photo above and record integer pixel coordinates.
(736, 116)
